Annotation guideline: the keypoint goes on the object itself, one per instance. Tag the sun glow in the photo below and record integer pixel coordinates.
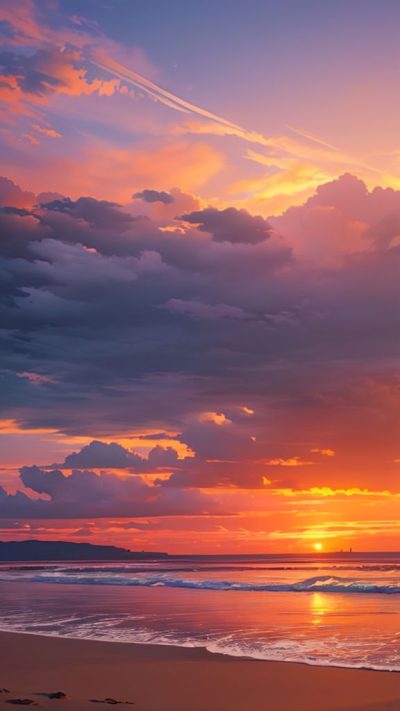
(318, 547)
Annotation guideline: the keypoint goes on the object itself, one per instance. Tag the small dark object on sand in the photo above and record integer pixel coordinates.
(4, 691)
(109, 700)
(57, 695)
(22, 702)
(52, 694)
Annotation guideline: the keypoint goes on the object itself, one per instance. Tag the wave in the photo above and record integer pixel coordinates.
(323, 583)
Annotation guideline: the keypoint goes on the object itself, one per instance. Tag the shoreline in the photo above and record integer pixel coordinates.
(173, 678)
(238, 657)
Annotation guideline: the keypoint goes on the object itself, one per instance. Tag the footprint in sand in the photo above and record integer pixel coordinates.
(52, 694)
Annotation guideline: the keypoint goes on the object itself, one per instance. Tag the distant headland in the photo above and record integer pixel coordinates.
(66, 550)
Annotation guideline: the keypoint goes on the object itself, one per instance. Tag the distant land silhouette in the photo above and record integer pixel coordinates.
(66, 550)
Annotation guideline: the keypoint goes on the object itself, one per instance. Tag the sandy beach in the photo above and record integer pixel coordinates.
(156, 678)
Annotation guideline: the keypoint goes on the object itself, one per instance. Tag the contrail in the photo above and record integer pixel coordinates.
(104, 62)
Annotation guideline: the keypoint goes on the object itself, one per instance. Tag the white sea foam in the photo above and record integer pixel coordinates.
(310, 651)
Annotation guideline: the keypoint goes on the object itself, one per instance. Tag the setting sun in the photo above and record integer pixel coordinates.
(318, 547)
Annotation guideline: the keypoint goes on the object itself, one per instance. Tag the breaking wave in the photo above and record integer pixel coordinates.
(322, 583)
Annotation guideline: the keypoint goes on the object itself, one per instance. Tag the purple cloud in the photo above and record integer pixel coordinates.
(230, 225)
(155, 196)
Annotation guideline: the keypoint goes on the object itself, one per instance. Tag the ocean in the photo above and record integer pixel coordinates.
(339, 610)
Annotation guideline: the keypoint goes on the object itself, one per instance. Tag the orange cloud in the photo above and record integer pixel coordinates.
(61, 71)
(49, 132)
(72, 78)
(325, 452)
(289, 462)
(218, 418)
(116, 173)
(32, 139)
(13, 427)
(328, 491)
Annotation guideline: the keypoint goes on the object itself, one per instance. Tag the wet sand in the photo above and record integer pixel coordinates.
(157, 678)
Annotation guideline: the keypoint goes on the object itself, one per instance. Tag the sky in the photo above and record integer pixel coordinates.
(199, 274)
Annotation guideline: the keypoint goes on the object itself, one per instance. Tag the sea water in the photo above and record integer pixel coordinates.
(333, 610)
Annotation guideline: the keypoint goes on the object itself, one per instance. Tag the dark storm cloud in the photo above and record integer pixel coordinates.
(230, 225)
(217, 475)
(99, 214)
(155, 196)
(21, 211)
(135, 326)
(100, 454)
(85, 494)
(18, 229)
(198, 309)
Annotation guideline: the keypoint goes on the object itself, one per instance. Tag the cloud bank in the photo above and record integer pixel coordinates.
(264, 346)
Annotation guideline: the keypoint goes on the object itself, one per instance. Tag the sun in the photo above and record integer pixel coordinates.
(318, 547)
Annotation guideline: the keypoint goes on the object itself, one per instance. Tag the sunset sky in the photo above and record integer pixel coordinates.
(200, 274)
